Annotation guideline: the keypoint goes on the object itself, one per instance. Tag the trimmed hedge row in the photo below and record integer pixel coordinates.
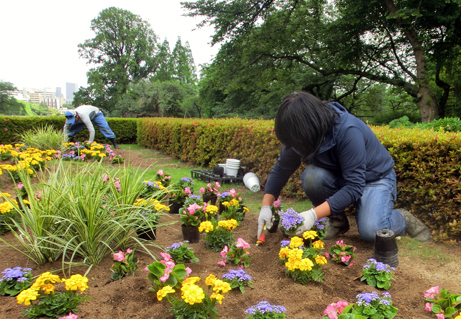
(428, 163)
(12, 126)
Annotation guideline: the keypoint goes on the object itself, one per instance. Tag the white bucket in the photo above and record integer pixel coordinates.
(223, 166)
(232, 171)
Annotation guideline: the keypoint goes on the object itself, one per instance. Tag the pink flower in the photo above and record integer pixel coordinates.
(340, 242)
(330, 311)
(216, 184)
(345, 259)
(276, 204)
(428, 306)
(202, 190)
(440, 316)
(39, 196)
(160, 172)
(208, 185)
(192, 208)
(430, 293)
(169, 264)
(112, 213)
(188, 270)
(242, 244)
(120, 256)
(69, 316)
(222, 263)
(105, 178)
(224, 252)
(166, 275)
(166, 256)
(128, 251)
(340, 305)
(20, 186)
(327, 255)
(233, 192)
(187, 190)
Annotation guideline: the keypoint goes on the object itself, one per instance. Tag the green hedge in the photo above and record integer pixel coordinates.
(11, 126)
(428, 163)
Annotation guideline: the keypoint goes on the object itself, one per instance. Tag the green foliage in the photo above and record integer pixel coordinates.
(11, 127)
(377, 274)
(81, 215)
(124, 264)
(446, 124)
(174, 279)
(216, 237)
(15, 280)
(123, 51)
(43, 138)
(441, 301)
(182, 253)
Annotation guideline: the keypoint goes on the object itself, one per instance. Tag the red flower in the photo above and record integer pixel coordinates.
(195, 123)
(6, 129)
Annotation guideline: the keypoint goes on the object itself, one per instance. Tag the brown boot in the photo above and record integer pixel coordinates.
(336, 225)
(414, 227)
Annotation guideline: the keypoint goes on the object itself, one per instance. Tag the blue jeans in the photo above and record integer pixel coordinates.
(100, 122)
(374, 210)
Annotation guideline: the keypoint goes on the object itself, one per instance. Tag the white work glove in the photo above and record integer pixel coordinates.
(310, 217)
(265, 218)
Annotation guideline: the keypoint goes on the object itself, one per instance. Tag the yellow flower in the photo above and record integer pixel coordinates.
(234, 202)
(206, 226)
(310, 234)
(221, 286)
(48, 288)
(295, 254)
(284, 252)
(26, 296)
(164, 291)
(210, 280)
(192, 294)
(217, 297)
(292, 264)
(228, 224)
(76, 282)
(45, 278)
(31, 172)
(6, 194)
(320, 260)
(102, 155)
(226, 204)
(160, 206)
(246, 210)
(5, 207)
(296, 242)
(190, 281)
(318, 244)
(211, 209)
(25, 201)
(306, 264)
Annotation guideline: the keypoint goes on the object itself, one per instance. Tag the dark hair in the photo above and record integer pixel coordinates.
(303, 122)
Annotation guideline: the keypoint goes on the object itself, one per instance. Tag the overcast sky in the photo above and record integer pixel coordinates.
(39, 38)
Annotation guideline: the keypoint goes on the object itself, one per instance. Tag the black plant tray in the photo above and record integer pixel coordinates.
(208, 176)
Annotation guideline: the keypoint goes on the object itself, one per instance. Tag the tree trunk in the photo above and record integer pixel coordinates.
(426, 100)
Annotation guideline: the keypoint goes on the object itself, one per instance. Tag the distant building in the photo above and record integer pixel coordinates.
(59, 92)
(45, 95)
(71, 88)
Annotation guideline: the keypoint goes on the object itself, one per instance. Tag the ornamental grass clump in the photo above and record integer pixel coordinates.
(15, 280)
(377, 274)
(342, 253)
(8, 213)
(166, 273)
(218, 233)
(368, 305)
(442, 304)
(290, 221)
(182, 253)
(125, 263)
(264, 310)
(303, 262)
(238, 279)
(46, 301)
(195, 302)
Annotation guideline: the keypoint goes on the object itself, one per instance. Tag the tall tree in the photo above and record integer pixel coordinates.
(182, 62)
(165, 69)
(386, 41)
(122, 51)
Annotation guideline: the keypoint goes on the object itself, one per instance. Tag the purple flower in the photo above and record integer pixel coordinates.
(284, 243)
(290, 219)
(265, 307)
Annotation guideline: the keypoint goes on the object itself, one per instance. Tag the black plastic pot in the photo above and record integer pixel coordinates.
(210, 198)
(174, 207)
(146, 233)
(274, 227)
(386, 249)
(190, 233)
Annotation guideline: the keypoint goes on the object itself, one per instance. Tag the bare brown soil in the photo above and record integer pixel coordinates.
(130, 298)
